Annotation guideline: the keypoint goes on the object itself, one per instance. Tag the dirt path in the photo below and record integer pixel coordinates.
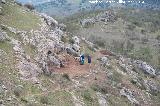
(73, 67)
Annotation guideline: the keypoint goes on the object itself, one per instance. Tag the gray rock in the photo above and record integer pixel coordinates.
(1, 102)
(72, 52)
(54, 61)
(127, 93)
(3, 36)
(147, 68)
(62, 27)
(76, 47)
(49, 20)
(102, 99)
(104, 61)
(1, 90)
(76, 40)
(152, 87)
(87, 22)
(13, 30)
(1, 11)
(3, 1)
(28, 69)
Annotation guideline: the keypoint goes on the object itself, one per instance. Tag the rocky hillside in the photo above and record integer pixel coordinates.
(39, 65)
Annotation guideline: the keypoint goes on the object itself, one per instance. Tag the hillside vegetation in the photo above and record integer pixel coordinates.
(39, 58)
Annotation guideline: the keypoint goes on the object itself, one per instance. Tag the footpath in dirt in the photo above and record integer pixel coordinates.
(73, 68)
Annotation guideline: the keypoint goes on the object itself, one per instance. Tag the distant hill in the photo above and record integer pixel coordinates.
(68, 7)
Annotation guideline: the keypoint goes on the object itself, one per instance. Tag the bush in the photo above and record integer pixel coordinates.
(71, 41)
(118, 46)
(131, 27)
(87, 96)
(64, 39)
(44, 100)
(158, 37)
(144, 40)
(130, 46)
(98, 41)
(66, 76)
(18, 91)
(98, 88)
(29, 6)
(18, 3)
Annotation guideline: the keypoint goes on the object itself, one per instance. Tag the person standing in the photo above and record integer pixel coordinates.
(82, 59)
(89, 60)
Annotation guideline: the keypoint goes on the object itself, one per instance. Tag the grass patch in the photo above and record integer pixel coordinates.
(60, 98)
(117, 101)
(6, 46)
(144, 53)
(15, 16)
(89, 97)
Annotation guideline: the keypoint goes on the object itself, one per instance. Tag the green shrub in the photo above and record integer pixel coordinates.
(18, 91)
(24, 100)
(87, 96)
(98, 88)
(64, 39)
(29, 6)
(71, 41)
(131, 27)
(66, 76)
(158, 37)
(44, 100)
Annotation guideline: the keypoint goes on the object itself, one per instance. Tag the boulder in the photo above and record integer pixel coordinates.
(3, 1)
(1, 90)
(3, 36)
(147, 68)
(76, 47)
(1, 11)
(62, 27)
(72, 52)
(87, 22)
(129, 94)
(76, 40)
(49, 20)
(152, 87)
(102, 99)
(28, 70)
(104, 61)
(54, 61)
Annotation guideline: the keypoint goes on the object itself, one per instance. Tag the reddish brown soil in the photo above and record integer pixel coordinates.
(73, 68)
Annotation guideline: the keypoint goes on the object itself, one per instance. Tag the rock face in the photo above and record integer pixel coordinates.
(49, 20)
(87, 22)
(127, 93)
(62, 27)
(1, 10)
(3, 36)
(146, 68)
(76, 40)
(72, 51)
(28, 69)
(76, 47)
(101, 99)
(104, 61)
(152, 87)
(3, 1)
(108, 16)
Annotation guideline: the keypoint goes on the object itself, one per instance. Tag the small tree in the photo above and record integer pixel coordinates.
(29, 6)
